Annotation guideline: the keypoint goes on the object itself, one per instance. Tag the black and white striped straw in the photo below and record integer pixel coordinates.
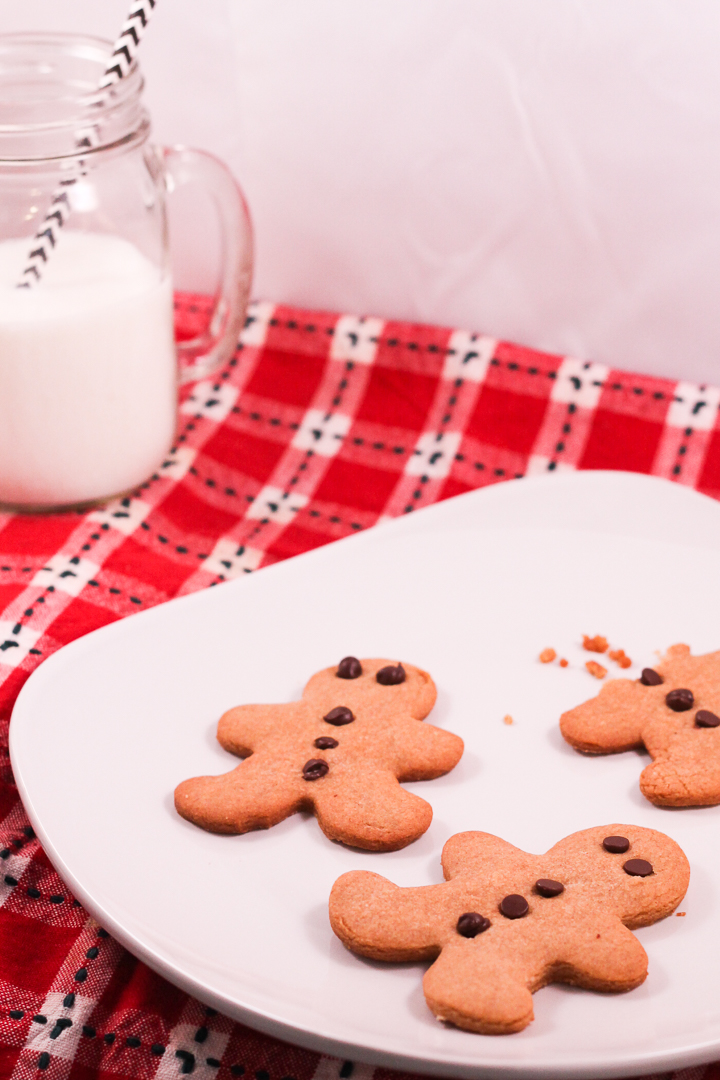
(118, 67)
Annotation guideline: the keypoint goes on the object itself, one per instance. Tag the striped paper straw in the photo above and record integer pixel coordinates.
(119, 65)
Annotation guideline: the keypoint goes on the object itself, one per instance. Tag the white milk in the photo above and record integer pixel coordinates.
(88, 379)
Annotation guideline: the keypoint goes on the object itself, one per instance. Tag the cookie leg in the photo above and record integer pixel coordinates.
(249, 797)
(371, 812)
(608, 957)
(487, 993)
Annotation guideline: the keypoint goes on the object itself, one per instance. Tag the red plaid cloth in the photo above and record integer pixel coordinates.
(318, 427)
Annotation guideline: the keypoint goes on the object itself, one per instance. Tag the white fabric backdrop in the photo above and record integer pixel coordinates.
(548, 172)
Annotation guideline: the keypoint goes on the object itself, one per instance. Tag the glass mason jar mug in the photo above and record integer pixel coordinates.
(89, 369)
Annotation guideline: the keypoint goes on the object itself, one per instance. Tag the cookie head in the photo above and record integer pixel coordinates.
(375, 684)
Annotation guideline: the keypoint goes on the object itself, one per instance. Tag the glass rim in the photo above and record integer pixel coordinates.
(86, 101)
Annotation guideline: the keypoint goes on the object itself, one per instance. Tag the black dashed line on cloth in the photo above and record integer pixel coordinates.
(683, 449)
(61, 1024)
(188, 1061)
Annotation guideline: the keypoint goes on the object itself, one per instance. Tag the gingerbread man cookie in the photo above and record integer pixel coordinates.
(672, 710)
(505, 923)
(340, 752)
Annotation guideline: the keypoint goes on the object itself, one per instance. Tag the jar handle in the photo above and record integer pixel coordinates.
(202, 355)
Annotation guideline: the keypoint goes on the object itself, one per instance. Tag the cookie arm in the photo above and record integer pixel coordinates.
(611, 722)
(249, 797)
(374, 918)
(242, 729)
(425, 752)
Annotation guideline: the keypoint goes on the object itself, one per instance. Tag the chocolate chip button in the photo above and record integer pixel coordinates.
(326, 742)
(339, 716)
(638, 867)
(616, 845)
(391, 675)
(680, 700)
(703, 718)
(650, 677)
(315, 768)
(514, 906)
(472, 923)
(547, 887)
(349, 668)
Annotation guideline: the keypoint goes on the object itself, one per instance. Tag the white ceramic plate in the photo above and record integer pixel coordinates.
(472, 590)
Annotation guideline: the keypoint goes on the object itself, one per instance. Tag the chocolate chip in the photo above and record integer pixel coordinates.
(326, 742)
(339, 716)
(616, 845)
(638, 867)
(391, 675)
(680, 700)
(703, 718)
(472, 923)
(349, 668)
(514, 906)
(547, 887)
(315, 768)
(650, 677)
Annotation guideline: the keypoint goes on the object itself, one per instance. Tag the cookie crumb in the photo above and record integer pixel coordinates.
(547, 656)
(596, 669)
(618, 655)
(563, 662)
(595, 644)
(507, 719)
(680, 914)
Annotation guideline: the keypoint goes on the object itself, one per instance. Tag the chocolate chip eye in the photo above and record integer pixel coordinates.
(514, 906)
(650, 677)
(339, 716)
(703, 718)
(472, 923)
(349, 668)
(680, 700)
(391, 675)
(548, 888)
(315, 768)
(616, 845)
(326, 742)
(638, 868)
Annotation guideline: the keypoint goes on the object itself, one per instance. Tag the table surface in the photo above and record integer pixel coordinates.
(318, 427)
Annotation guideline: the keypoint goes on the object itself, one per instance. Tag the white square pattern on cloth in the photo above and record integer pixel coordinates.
(356, 339)
(468, 356)
(279, 506)
(433, 455)
(68, 574)
(322, 432)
